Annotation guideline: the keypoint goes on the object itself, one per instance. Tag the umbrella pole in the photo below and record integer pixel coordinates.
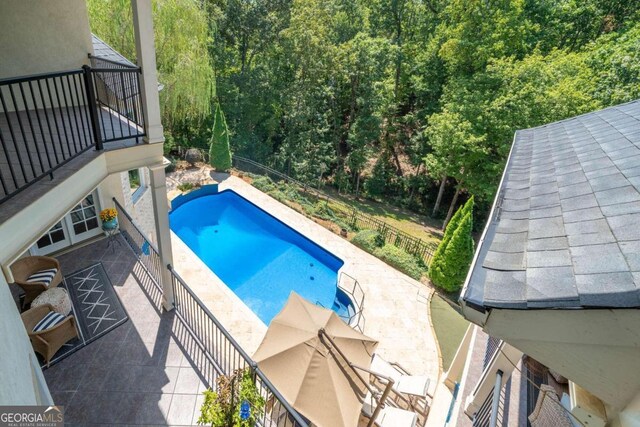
(380, 404)
(385, 393)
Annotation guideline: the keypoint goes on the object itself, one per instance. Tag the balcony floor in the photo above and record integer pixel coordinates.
(147, 371)
(50, 137)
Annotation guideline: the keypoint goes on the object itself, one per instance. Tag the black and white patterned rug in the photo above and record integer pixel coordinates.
(95, 305)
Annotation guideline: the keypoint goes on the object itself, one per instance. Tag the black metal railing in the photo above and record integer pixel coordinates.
(48, 119)
(355, 218)
(116, 87)
(482, 417)
(226, 355)
(493, 345)
(146, 252)
(394, 236)
(44, 123)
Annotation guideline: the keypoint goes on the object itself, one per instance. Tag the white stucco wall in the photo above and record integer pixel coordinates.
(43, 36)
(20, 381)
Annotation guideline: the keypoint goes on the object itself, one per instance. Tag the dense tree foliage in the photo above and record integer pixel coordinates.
(413, 101)
(182, 37)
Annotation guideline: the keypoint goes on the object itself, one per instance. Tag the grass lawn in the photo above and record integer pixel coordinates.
(420, 226)
(450, 327)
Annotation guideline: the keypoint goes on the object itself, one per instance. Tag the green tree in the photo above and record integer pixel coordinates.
(181, 39)
(457, 152)
(453, 257)
(219, 151)
(358, 93)
(616, 58)
(454, 223)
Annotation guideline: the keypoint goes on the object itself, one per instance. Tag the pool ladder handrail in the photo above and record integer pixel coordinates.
(356, 320)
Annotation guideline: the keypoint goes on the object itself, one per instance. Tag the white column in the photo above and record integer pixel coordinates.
(146, 58)
(163, 233)
(460, 360)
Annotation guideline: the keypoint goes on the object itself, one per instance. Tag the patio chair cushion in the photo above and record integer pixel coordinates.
(43, 276)
(418, 385)
(49, 321)
(394, 417)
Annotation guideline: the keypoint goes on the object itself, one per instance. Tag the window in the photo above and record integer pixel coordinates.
(54, 235)
(134, 180)
(84, 216)
(137, 183)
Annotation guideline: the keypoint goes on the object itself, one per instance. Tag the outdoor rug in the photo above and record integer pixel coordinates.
(95, 305)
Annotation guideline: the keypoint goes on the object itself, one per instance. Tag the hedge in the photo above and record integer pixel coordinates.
(369, 240)
(403, 261)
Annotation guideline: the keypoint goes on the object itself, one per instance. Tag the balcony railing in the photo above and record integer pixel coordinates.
(227, 356)
(46, 120)
(145, 250)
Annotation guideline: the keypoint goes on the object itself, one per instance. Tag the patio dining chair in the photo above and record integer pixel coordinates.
(36, 274)
(548, 410)
(48, 330)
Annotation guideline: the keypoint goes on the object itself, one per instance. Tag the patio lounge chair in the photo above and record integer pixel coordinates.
(36, 274)
(394, 417)
(48, 330)
(405, 383)
(409, 392)
(388, 416)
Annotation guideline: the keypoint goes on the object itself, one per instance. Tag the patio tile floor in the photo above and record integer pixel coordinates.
(145, 372)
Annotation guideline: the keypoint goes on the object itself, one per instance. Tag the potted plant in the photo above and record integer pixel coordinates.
(109, 218)
(235, 403)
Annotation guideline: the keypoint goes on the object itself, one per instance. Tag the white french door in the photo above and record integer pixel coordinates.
(53, 240)
(80, 224)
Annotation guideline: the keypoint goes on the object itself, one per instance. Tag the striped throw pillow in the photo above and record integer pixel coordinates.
(43, 276)
(48, 321)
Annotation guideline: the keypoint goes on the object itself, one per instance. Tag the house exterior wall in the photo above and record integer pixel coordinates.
(17, 357)
(597, 349)
(43, 36)
(40, 215)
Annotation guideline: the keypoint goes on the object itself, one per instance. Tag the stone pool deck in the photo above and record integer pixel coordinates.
(396, 307)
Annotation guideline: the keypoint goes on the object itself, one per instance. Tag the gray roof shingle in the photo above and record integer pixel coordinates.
(565, 229)
(103, 50)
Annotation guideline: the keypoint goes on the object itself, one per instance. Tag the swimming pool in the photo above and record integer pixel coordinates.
(257, 256)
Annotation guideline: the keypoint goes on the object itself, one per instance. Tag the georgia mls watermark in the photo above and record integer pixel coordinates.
(31, 416)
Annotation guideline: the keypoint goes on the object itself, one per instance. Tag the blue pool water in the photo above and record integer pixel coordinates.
(258, 257)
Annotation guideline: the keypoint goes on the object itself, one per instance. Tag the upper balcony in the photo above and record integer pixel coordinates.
(46, 120)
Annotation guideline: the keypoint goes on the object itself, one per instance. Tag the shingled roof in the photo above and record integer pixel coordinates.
(565, 229)
(103, 50)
